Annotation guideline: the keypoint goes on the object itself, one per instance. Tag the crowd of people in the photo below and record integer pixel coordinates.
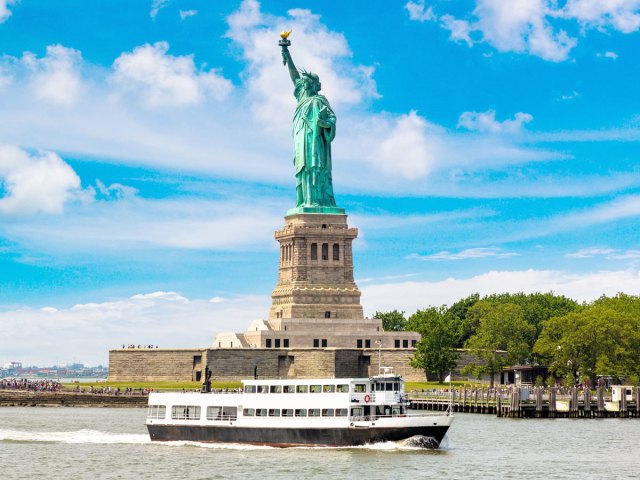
(131, 345)
(114, 391)
(32, 385)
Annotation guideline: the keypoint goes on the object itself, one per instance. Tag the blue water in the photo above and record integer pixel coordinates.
(105, 443)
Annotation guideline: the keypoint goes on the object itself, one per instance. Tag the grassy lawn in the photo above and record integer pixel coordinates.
(151, 385)
(410, 386)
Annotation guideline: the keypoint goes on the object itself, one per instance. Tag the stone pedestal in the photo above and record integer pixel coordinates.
(315, 272)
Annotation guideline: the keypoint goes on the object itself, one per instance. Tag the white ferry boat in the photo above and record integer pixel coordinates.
(284, 413)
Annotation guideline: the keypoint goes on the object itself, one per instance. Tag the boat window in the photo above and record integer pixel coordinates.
(396, 410)
(249, 389)
(343, 388)
(185, 412)
(263, 388)
(357, 411)
(328, 388)
(341, 412)
(156, 411)
(230, 413)
(396, 386)
(274, 412)
(248, 412)
(315, 388)
(214, 413)
(360, 388)
(287, 412)
(261, 412)
(327, 412)
(289, 389)
(301, 412)
(276, 388)
(302, 389)
(314, 412)
(389, 386)
(379, 386)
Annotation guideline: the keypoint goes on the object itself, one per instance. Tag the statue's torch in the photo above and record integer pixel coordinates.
(284, 43)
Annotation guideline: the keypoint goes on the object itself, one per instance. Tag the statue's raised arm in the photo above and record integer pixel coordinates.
(286, 56)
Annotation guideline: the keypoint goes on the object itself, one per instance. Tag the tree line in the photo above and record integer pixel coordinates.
(577, 341)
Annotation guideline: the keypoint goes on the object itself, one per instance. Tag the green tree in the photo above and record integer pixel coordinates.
(537, 307)
(393, 321)
(458, 316)
(501, 326)
(602, 338)
(435, 352)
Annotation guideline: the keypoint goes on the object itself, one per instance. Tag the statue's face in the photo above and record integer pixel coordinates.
(312, 84)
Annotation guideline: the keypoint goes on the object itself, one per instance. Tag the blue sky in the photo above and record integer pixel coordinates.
(145, 158)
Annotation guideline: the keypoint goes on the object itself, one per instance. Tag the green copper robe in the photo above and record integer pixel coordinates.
(312, 147)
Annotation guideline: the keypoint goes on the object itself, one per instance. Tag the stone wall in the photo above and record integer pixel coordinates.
(155, 365)
(234, 364)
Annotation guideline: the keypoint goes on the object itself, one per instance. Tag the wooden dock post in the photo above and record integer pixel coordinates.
(623, 404)
(552, 402)
(475, 400)
(600, 400)
(538, 394)
(499, 403)
(573, 410)
(586, 411)
(464, 401)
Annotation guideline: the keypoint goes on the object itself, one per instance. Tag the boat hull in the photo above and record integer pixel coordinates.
(289, 437)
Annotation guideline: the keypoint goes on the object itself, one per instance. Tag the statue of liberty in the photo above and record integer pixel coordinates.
(314, 128)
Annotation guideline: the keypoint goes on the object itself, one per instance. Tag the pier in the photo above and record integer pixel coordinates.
(534, 402)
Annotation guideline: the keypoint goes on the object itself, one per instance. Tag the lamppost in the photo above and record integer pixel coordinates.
(379, 343)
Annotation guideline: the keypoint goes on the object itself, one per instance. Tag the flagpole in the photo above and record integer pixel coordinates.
(450, 396)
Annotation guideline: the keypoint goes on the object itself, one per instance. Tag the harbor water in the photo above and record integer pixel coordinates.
(106, 443)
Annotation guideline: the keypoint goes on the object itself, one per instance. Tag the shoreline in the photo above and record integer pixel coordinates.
(30, 398)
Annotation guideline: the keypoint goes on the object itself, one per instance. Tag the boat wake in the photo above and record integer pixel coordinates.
(420, 441)
(97, 437)
(78, 436)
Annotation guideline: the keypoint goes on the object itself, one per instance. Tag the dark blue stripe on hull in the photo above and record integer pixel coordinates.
(289, 436)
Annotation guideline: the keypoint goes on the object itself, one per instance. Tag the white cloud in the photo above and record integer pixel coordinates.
(590, 252)
(164, 80)
(41, 182)
(570, 96)
(86, 332)
(420, 12)
(610, 55)
(410, 296)
(56, 77)
(522, 26)
(184, 14)
(535, 27)
(156, 6)
(607, 253)
(147, 225)
(4, 9)
(486, 122)
(469, 253)
(5, 79)
(460, 29)
(618, 209)
(620, 15)
(405, 149)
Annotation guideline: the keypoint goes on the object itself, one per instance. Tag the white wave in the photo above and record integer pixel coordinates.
(78, 436)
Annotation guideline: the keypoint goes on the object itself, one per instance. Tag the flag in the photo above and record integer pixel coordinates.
(448, 379)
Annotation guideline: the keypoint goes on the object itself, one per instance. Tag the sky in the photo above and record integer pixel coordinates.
(146, 158)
